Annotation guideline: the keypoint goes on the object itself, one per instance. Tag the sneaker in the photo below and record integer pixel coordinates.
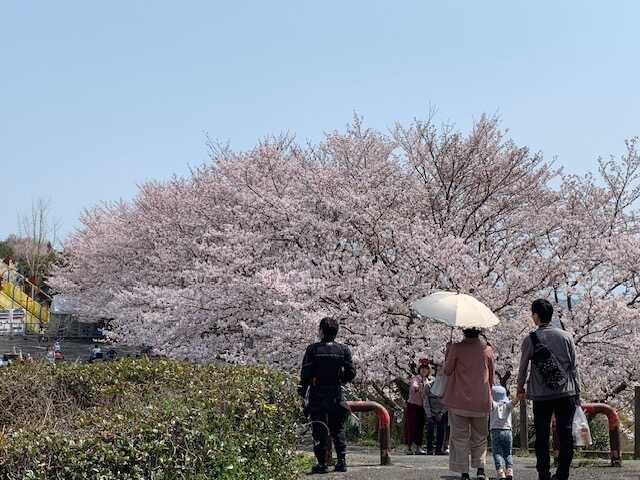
(341, 466)
(409, 451)
(481, 475)
(465, 476)
(421, 451)
(430, 452)
(319, 468)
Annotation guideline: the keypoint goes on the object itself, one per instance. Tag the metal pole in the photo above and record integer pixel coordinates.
(593, 409)
(384, 426)
(524, 427)
(636, 450)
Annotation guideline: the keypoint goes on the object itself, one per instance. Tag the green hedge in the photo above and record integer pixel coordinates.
(144, 419)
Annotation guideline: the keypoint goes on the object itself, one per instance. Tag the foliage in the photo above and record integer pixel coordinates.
(142, 419)
(34, 261)
(599, 434)
(5, 249)
(238, 261)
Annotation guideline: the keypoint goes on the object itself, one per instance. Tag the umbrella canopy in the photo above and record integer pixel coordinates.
(456, 310)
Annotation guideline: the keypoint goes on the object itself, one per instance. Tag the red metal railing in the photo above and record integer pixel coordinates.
(591, 410)
(384, 426)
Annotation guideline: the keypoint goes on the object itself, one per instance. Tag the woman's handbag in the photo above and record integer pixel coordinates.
(439, 386)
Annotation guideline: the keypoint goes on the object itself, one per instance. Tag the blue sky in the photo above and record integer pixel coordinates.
(96, 97)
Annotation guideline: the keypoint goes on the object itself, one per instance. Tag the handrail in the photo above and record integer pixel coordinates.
(26, 280)
(591, 410)
(22, 299)
(384, 425)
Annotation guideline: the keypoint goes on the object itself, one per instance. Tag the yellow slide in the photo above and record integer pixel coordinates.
(12, 296)
(32, 323)
(36, 309)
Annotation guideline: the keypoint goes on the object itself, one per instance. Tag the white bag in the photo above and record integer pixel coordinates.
(581, 430)
(439, 386)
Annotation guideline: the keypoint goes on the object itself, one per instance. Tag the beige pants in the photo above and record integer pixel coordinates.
(468, 439)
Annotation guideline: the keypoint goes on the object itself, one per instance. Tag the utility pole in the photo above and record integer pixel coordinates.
(636, 433)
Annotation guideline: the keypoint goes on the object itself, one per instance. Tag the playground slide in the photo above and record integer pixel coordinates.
(36, 309)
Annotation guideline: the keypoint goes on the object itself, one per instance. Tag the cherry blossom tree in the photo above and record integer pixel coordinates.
(238, 261)
(599, 250)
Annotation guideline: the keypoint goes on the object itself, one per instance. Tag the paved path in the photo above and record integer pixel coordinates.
(364, 465)
(73, 349)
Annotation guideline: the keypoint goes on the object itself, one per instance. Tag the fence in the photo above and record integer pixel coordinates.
(12, 322)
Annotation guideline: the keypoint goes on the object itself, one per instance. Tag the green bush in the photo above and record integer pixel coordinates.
(143, 419)
(599, 434)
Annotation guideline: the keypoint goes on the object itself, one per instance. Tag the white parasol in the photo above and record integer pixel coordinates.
(456, 310)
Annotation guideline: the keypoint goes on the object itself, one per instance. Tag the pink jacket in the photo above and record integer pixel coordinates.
(416, 389)
(470, 368)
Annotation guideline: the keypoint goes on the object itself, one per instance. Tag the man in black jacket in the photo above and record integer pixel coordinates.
(326, 366)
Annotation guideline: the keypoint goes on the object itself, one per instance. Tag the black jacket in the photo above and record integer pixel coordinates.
(326, 367)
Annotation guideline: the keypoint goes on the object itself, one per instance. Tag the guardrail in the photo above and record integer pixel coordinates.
(591, 410)
(12, 322)
(384, 426)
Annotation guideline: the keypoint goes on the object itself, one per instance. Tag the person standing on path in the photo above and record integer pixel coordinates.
(414, 411)
(553, 387)
(327, 365)
(437, 419)
(469, 366)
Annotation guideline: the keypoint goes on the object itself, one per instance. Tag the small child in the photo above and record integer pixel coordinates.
(501, 433)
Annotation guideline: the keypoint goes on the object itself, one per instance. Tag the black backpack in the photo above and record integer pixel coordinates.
(547, 364)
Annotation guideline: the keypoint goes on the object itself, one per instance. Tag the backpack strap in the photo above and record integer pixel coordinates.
(534, 339)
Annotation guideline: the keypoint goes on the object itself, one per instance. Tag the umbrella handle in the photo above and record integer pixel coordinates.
(450, 342)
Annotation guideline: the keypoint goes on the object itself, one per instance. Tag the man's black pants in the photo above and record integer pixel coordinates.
(436, 431)
(329, 422)
(563, 409)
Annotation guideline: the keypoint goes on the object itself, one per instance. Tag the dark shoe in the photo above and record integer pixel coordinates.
(340, 467)
(465, 476)
(508, 477)
(430, 452)
(319, 468)
(440, 453)
(480, 475)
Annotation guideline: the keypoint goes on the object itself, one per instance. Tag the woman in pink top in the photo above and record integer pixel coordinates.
(414, 417)
(469, 365)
